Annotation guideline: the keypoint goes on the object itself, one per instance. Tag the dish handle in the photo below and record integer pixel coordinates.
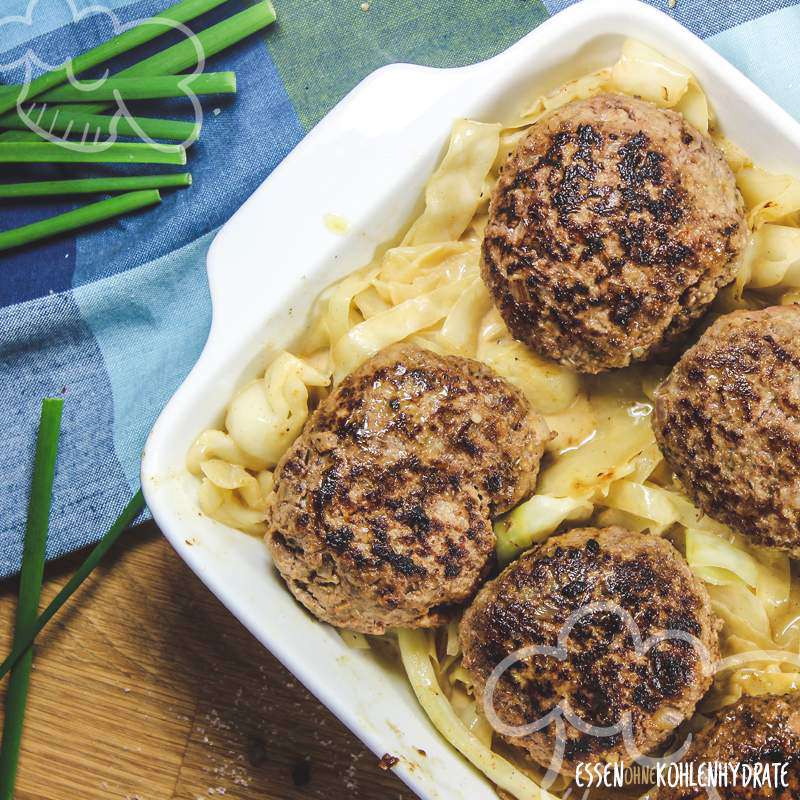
(271, 231)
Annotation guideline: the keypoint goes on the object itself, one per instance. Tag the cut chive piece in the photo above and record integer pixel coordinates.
(128, 515)
(88, 126)
(144, 32)
(154, 88)
(94, 185)
(117, 153)
(183, 55)
(30, 588)
(79, 218)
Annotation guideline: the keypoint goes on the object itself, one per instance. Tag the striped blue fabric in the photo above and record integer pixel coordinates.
(114, 318)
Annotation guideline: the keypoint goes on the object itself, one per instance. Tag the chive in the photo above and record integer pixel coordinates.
(147, 31)
(116, 153)
(94, 185)
(211, 41)
(30, 588)
(89, 126)
(24, 641)
(79, 218)
(153, 88)
(183, 55)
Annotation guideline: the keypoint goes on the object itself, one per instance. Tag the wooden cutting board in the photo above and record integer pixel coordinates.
(146, 688)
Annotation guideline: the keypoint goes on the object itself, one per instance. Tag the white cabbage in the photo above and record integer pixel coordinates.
(534, 521)
(266, 416)
(454, 190)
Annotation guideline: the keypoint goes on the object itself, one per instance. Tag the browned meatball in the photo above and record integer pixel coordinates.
(602, 674)
(384, 502)
(727, 419)
(756, 730)
(612, 228)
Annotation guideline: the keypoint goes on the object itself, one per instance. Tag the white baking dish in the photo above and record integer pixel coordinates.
(368, 161)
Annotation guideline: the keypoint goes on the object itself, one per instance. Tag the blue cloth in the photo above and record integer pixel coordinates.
(114, 318)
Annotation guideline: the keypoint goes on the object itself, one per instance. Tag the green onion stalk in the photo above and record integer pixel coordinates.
(30, 588)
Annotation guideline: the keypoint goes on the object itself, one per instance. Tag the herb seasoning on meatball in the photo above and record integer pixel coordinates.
(581, 590)
(384, 502)
(727, 419)
(611, 229)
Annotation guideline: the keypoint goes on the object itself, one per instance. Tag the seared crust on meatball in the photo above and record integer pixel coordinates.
(602, 675)
(384, 502)
(611, 229)
(755, 730)
(727, 420)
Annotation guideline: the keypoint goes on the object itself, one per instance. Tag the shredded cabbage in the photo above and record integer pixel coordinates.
(454, 190)
(772, 260)
(646, 73)
(768, 197)
(415, 651)
(621, 434)
(534, 521)
(267, 415)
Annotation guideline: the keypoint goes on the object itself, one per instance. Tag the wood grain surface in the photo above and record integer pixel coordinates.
(146, 688)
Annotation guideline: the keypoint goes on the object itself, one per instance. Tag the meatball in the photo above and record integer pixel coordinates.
(727, 419)
(612, 228)
(384, 503)
(602, 675)
(756, 730)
